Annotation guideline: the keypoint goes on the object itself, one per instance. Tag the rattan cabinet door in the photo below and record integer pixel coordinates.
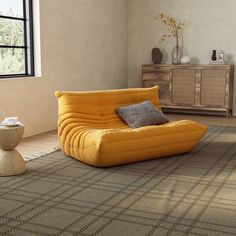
(183, 86)
(213, 88)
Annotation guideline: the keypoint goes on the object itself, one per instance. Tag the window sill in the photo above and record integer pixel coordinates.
(20, 78)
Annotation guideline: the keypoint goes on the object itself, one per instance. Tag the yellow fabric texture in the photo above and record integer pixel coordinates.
(90, 130)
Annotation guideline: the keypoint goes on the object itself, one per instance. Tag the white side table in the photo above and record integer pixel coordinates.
(11, 161)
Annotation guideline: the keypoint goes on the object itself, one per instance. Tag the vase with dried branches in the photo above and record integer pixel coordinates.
(175, 29)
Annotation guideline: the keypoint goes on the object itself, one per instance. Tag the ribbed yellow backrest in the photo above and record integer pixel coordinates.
(97, 108)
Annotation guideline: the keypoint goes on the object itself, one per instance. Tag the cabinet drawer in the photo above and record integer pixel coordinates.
(164, 92)
(151, 83)
(156, 69)
(164, 96)
(158, 77)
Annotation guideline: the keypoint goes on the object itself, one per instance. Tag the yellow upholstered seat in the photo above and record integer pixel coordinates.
(90, 130)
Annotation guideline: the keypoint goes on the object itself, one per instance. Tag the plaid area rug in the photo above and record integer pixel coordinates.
(39, 154)
(191, 194)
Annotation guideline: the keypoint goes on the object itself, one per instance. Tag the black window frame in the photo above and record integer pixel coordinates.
(28, 40)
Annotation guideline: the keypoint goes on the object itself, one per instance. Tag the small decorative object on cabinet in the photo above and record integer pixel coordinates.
(213, 57)
(192, 88)
(220, 57)
(176, 55)
(157, 56)
(175, 29)
(185, 60)
(217, 58)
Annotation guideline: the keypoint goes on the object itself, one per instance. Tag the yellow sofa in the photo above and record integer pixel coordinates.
(90, 130)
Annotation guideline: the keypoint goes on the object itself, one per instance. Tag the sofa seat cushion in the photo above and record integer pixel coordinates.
(105, 147)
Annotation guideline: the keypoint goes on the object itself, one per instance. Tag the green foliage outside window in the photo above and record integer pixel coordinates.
(12, 60)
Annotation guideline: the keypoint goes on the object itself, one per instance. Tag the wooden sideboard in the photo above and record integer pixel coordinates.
(192, 88)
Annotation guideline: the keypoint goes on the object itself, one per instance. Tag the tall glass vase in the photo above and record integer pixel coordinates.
(176, 55)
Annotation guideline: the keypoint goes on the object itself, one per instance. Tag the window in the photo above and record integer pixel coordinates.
(16, 38)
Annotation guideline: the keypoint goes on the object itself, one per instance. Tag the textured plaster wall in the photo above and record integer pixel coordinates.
(210, 25)
(83, 47)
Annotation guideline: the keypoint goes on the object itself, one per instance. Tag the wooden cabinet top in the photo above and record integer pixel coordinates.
(195, 66)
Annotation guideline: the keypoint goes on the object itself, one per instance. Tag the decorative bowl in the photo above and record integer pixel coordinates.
(185, 60)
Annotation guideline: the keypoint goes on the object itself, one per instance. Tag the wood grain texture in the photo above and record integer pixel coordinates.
(203, 88)
(38, 145)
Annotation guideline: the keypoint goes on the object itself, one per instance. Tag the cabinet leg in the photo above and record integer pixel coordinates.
(228, 113)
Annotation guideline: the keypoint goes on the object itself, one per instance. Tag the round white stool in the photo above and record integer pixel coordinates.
(11, 161)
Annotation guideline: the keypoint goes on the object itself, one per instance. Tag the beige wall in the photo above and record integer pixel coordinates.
(210, 25)
(83, 47)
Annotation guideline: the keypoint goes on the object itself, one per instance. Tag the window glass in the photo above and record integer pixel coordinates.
(11, 32)
(12, 61)
(16, 38)
(12, 8)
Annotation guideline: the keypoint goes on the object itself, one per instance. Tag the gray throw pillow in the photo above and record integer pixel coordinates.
(141, 114)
